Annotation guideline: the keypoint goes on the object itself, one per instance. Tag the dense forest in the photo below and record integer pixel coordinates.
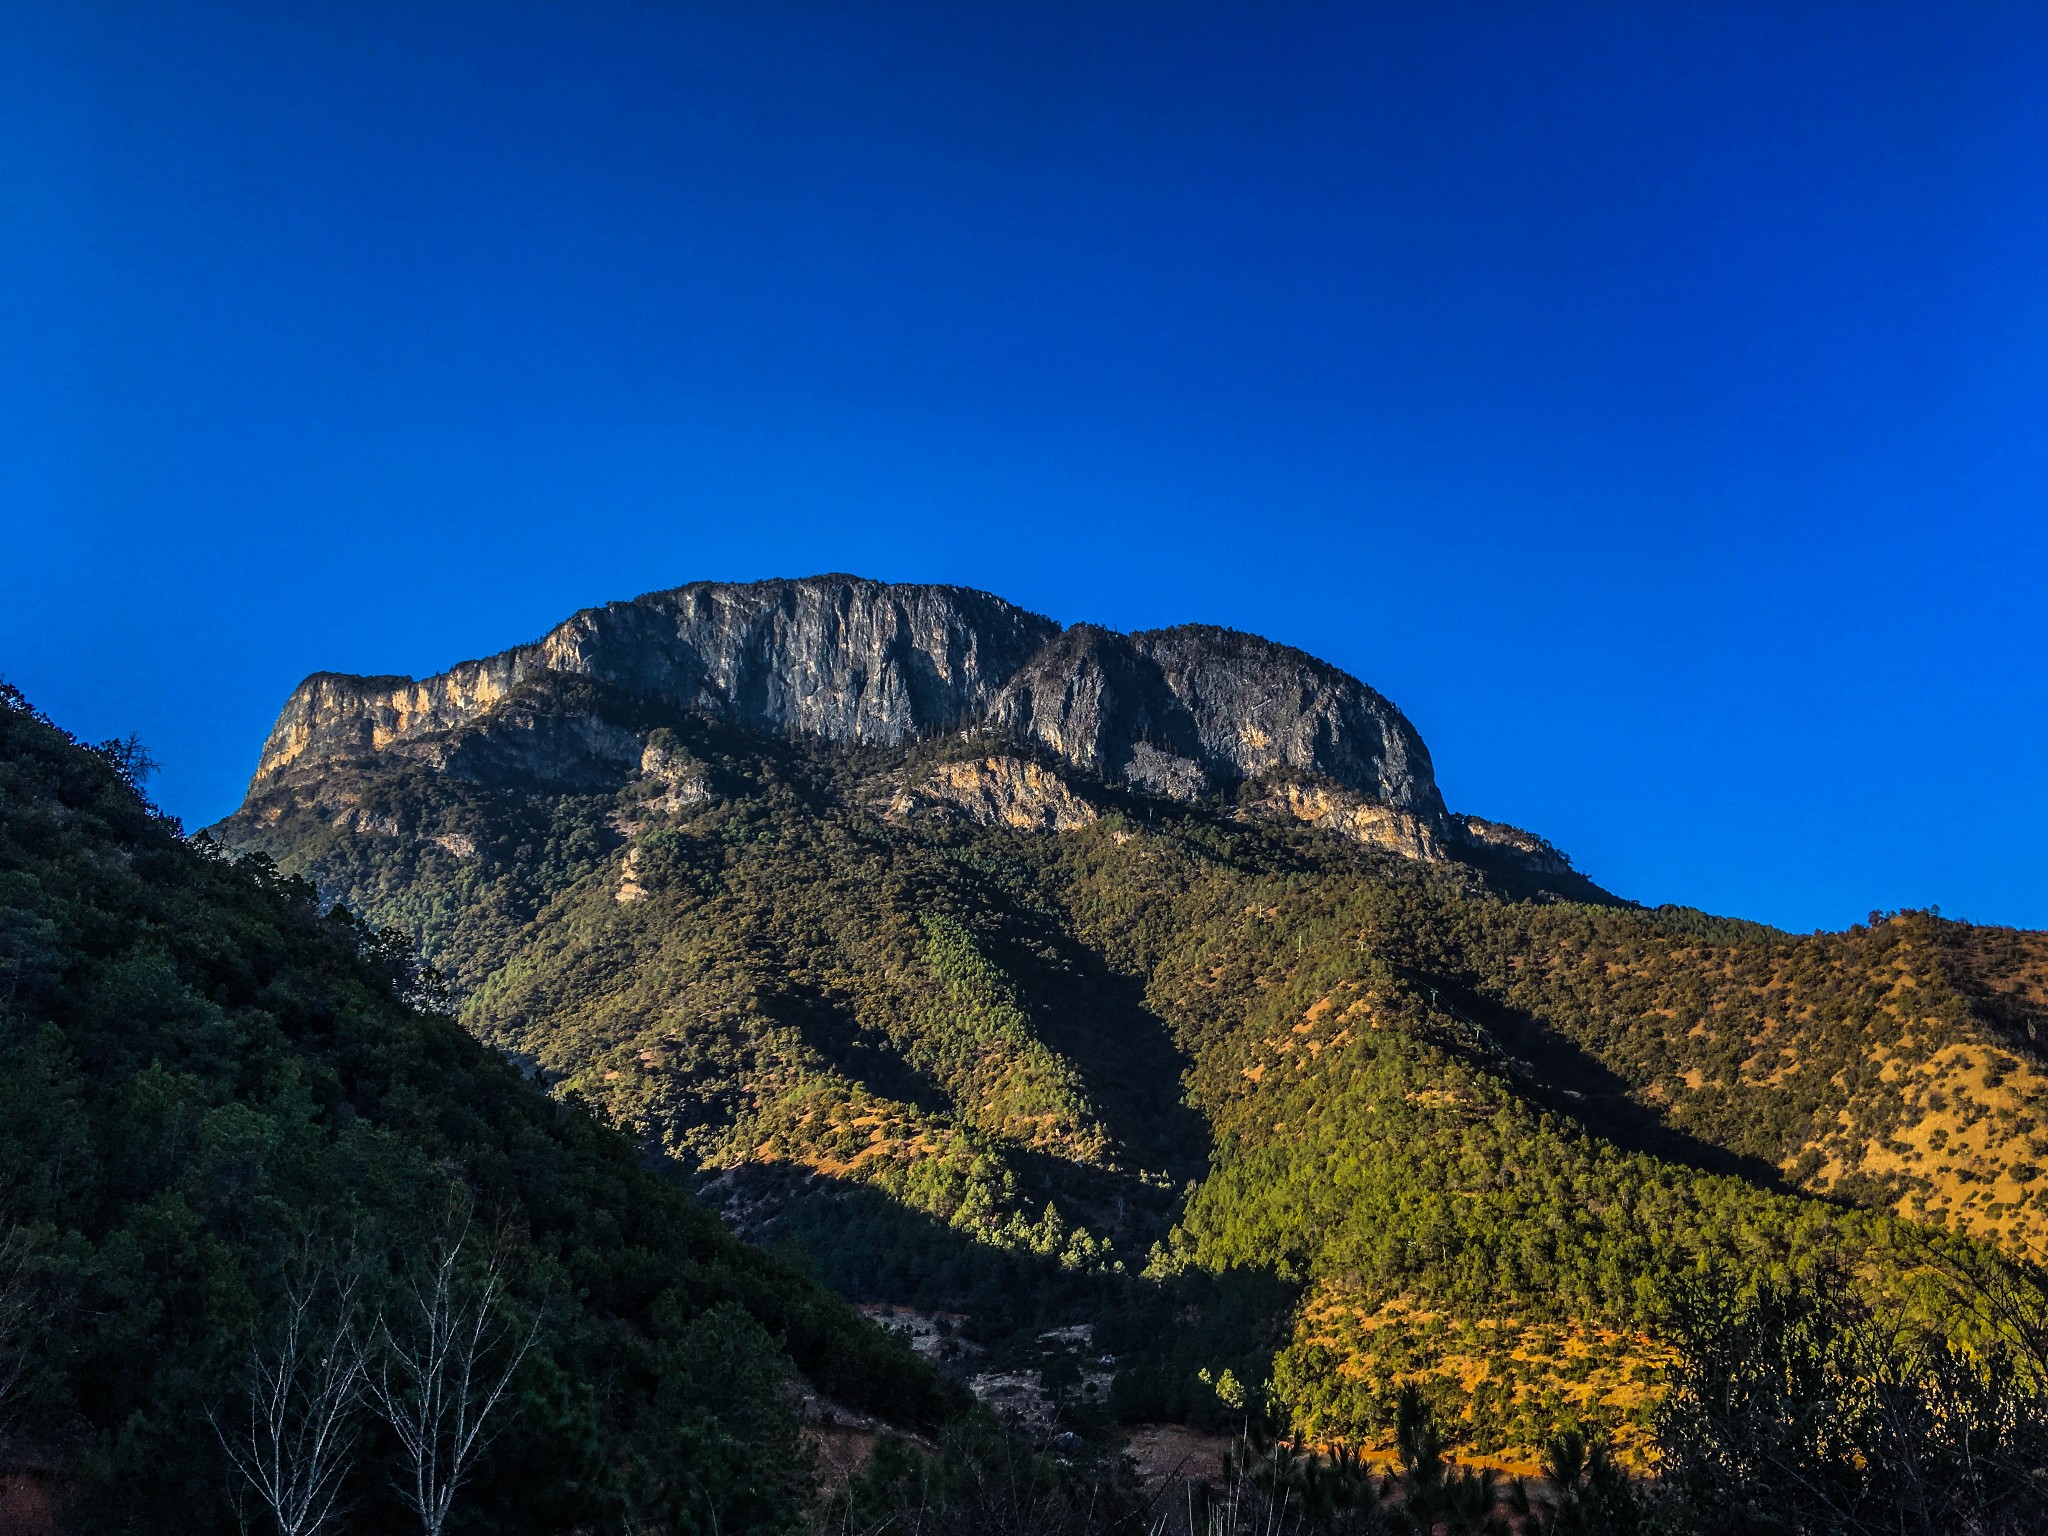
(249, 1177)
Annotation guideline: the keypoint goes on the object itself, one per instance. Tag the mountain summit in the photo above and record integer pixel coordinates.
(1183, 711)
(1189, 713)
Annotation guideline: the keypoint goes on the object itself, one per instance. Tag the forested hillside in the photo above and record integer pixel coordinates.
(1265, 1105)
(224, 1109)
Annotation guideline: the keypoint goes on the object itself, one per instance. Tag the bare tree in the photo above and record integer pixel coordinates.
(300, 1436)
(443, 1374)
(17, 1317)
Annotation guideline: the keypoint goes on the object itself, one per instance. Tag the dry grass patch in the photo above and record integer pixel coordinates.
(1503, 1385)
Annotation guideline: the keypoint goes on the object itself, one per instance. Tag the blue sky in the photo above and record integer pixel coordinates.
(1652, 399)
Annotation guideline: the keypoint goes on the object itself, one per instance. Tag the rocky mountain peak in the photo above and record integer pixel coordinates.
(1185, 710)
(1182, 711)
(837, 657)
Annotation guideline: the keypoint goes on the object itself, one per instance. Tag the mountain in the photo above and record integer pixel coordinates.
(1183, 712)
(1141, 989)
(214, 1097)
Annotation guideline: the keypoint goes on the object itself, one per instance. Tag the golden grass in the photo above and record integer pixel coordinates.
(1543, 1374)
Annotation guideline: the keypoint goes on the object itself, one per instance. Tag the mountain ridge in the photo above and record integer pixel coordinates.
(1183, 711)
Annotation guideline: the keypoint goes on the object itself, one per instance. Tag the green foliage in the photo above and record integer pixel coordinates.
(1590, 1495)
(982, 1046)
(201, 1073)
(1210, 1085)
(1271, 1486)
(1797, 1407)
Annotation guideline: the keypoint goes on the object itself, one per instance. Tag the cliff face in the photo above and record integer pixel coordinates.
(1181, 711)
(832, 656)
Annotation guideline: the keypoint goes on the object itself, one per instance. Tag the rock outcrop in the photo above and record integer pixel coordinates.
(684, 782)
(1349, 814)
(995, 791)
(1183, 712)
(1537, 855)
(1053, 717)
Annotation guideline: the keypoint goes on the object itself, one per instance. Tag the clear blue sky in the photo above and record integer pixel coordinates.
(1651, 399)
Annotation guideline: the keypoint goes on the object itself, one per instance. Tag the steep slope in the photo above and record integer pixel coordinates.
(839, 659)
(1162, 995)
(1884, 1065)
(1182, 711)
(832, 657)
(206, 1085)
(1451, 1213)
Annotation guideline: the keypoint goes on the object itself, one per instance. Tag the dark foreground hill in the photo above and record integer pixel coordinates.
(1141, 990)
(214, 1097)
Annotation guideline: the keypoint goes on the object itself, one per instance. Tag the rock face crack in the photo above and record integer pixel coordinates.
(1186, 711)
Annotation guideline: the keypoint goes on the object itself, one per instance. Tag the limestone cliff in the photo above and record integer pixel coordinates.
(1350, 814)
(833, 656)
(1188, 710)
(1184, 712)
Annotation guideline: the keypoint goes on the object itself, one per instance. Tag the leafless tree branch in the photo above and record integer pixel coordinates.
(299, 1437)
(442, 1375)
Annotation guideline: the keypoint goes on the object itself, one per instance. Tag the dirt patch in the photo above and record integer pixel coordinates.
(1167, 1453)
(841, 1454)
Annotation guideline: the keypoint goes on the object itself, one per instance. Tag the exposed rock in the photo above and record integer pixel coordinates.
(528, 743)
(1345, 811)
(832, 656)
(1180, 711)
(1187, 710)
(630, 888)
(686, 783)
(527, 740)
(1526, 848)
(996, 791)
(1184, 712)
(1164, 773)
